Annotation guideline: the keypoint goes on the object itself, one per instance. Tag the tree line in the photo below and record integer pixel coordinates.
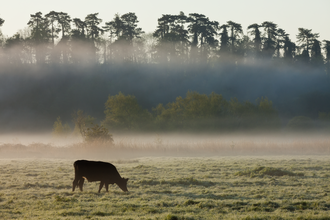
(178, 39)
(195, 112)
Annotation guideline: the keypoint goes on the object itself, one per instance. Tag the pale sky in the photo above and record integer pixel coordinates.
(288, 14)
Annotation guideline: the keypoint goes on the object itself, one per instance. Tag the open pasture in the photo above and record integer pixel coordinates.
(231, 187)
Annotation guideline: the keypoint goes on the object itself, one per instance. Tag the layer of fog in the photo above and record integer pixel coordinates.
(32, 97)
(133, 146)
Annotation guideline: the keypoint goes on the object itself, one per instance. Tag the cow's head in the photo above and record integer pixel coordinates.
(123, 184)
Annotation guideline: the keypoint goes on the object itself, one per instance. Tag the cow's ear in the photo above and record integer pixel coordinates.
(126, 179)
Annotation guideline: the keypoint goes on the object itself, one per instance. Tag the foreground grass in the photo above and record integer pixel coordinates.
(295, 187)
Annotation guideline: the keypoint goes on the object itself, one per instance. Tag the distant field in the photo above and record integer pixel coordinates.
(228, 187)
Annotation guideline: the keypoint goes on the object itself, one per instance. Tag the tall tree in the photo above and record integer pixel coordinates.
(93, 33)
(235, 31)
(289, 49)
(326, 48)
(54, 26)
(182, 36)
(80, 45)
(131, 31)
(224, 40)
(173, 39)
(281, 35)
(81, 27)
(270, 39)
(40, 35)
(92, 23)
(203, 35)
(316, 54)
(165, 48)
(305, 38)
(257, 38)
(64, 21)
(123, 29)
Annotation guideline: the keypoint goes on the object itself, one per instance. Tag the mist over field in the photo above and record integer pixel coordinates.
(32, 97)
(127, 146)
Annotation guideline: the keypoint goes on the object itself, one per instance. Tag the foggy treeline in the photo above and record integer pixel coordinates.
(60, 64)
(178, 39)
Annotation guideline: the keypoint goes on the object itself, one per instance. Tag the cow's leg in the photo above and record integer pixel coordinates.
(81, 183)
(101, 185)
(107, 187)
(75, 183)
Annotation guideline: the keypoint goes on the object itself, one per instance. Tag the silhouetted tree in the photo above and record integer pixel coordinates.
(92, 22)
(182, 37)
(235, 31)
(173, 39)
(93, 33)
(40, 35)
(281, 35)
(203, 31)
(54, 30)
(123, 29)
(316, 54)
(81, 26)
(224, 40)
(165, 48)
(54, 26)
(289, 49)
(115, 29)
(326, 48)
(257, 39)
(80, 45)
(305, 38)
(62, 47)
(270, 39)
(130, 32)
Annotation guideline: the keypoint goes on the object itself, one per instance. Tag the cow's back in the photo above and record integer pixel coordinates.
(96, 170)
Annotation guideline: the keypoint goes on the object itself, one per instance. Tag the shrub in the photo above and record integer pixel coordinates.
(82, 122)
(59, 129)
(99, 134)
(213, 111)
(124, 112)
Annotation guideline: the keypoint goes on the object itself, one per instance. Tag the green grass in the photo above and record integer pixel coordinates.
(233, 187)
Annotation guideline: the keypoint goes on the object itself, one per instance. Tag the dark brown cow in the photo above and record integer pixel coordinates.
(97, 171)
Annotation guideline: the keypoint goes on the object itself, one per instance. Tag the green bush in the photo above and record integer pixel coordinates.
(59, 129)
(98, 134)
(123, 112)
(82, 122)
(214, 112)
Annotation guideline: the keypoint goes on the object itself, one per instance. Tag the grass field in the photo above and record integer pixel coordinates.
(176, 176)
(231, 187)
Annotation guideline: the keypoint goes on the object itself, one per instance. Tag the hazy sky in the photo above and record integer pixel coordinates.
(288, 14)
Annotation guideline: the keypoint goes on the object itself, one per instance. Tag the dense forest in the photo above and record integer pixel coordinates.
(58, 64)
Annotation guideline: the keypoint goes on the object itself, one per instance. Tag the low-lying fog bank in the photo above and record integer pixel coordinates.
(127, 146)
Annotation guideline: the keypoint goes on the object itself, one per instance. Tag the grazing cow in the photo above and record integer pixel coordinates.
(97, 171)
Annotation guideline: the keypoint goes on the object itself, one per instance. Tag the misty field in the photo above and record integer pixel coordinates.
(230, 187)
